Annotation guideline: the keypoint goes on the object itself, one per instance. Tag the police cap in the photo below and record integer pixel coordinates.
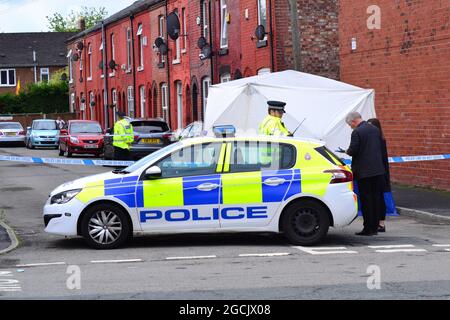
(121, 114)
(277, 105)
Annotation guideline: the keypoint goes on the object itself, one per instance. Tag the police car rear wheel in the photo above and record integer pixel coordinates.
(306, 223)
(105, 227)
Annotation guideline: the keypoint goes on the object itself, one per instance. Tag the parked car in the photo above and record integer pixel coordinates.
(42, 133)
(150, 135)
(12, 132)
(193, 130)
(81, 137)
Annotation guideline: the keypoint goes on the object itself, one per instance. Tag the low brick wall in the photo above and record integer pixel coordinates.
(26, 119)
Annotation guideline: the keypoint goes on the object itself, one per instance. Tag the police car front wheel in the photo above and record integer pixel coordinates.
(105, 226)
(305, 223)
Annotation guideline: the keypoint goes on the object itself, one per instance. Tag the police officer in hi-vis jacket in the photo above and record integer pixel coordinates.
(123, 137)
(272, 124)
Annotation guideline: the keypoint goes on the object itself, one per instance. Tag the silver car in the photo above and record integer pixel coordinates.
(12, 132)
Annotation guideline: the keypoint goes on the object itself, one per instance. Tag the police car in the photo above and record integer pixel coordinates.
(238, 184)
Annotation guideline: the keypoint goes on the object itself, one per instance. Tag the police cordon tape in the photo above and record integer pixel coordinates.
(89, 162)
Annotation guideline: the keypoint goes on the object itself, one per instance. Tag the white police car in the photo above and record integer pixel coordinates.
(258, 184)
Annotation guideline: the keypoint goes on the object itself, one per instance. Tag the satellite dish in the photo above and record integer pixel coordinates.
(92, 103)
(80, 45)
(75, 57)
(201, 43)
(163, 49)
(64, 77)
(158, 42)
(206, 52)
(83, 100)
(100, 64)
(173, 26)
(260, 32)
(112, 65)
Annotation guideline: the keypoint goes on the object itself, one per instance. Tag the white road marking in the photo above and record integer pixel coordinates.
(397, 248)
(265, 254)
(118, 261)
(9, 285)
(392, 246)
(325, 250)
(400, 250)
(441, 245)
(31, 265)
(189, 258)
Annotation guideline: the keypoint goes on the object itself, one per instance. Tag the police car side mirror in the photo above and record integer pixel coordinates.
(153, 173)
(28, 128)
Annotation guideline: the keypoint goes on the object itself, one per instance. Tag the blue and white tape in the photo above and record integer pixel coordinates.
(88, 162)
(80, 162)
(412, 158)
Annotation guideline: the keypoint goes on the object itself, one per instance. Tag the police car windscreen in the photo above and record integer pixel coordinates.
(149, 126)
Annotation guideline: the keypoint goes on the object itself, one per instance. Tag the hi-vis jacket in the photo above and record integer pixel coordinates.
(123, 134)
(273, 126)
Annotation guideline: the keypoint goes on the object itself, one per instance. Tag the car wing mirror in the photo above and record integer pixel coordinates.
(153, 173)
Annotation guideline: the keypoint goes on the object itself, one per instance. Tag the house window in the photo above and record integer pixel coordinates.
(206, 83)
(89, 62)
(114, 103)
(142, 100)
(113, 54)
(45, 75)
(177, 46)
(72, 103)
(263, 71)
(162, 58)
(101, 54)
(141, 48)
(129, 49)
(82, 106)
(70, 64)
(262, 14)
(179, 104)
(164, 102)
(91, 99)
(131, 102)
(7, 77)
(183, 29)
(223, 24)
(205, 18)
(226, 77)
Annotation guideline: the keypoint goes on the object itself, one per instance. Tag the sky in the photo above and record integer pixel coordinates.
(29, 15)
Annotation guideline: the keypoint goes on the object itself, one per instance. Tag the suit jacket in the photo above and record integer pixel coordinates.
(366, 152)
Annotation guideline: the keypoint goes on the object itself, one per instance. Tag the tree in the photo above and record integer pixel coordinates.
(92, 15)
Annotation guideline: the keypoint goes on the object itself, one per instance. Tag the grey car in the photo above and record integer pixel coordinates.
(12, 132)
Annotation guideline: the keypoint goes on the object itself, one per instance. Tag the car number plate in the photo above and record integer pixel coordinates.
(151, 141)
(10, 133)
(91, 146)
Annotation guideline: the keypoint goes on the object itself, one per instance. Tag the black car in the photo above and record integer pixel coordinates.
(150, 135)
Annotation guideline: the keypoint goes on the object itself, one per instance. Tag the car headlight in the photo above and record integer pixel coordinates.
(74, 140)
(64, 197)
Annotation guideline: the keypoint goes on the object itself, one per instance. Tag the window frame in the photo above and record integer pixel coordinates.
(8, 84)
(177, 59)
(218, 144)
(205, 93)
(130, 100)
(258, 143)
(140, 41)
(113, 52)
(223, 24)
(164, 102)
(89, 78)
(259, 16)
(129, 49)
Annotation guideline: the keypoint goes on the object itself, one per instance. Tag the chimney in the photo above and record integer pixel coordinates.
(82, 24)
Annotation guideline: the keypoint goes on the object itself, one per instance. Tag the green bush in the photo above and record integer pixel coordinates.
(38, 98)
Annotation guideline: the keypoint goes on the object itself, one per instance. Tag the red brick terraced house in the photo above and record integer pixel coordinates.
(130, 62)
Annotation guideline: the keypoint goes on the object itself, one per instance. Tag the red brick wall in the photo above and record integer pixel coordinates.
(407, 62)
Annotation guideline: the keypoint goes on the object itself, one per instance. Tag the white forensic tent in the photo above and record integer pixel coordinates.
(323, 102)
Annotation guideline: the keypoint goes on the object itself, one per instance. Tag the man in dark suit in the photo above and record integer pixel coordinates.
(368, 170)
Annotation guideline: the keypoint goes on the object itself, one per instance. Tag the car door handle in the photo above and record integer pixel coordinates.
(273, 182)
(207, 187)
